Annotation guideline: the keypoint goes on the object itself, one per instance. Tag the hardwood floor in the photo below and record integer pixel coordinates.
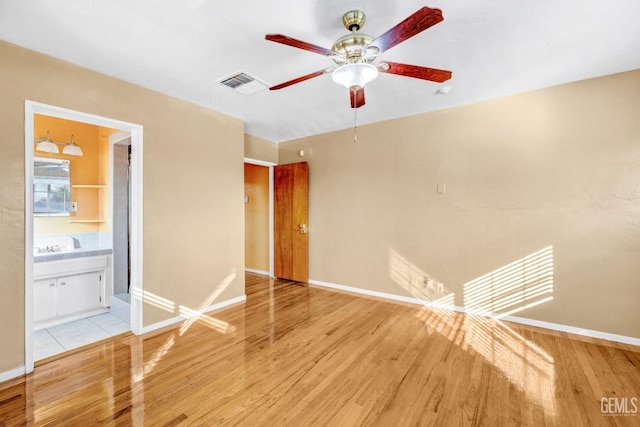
(300, 355)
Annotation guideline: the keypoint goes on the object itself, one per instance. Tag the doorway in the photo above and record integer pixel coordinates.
(120, 144)
(258, 199)
(60, 283)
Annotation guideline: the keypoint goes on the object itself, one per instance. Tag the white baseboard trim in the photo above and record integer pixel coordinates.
(178, 319)
(522, 320)
(11, 374)
(253, 270)
(573, 330)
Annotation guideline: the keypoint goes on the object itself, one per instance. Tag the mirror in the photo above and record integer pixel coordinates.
(51, 187)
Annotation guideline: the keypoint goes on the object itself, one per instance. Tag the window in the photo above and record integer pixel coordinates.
(51, 187)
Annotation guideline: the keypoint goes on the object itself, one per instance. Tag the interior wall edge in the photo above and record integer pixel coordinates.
(257, 148)
(255, 271)
(515, 319)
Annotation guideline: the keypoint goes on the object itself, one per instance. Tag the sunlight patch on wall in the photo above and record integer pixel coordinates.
(517, 286)
(211, 322)
(194, 315)
(153, 299)
(418, 283)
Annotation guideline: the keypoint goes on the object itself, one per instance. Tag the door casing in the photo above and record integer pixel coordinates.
(270, 166)
(136, 131)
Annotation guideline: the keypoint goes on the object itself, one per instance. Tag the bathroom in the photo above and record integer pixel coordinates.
(80, 227)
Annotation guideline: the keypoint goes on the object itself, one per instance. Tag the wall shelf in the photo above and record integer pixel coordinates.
(95, 220)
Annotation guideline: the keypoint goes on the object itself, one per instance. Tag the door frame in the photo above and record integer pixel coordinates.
(270, 165)
(136, 131)
(293, 213)
(121, 137)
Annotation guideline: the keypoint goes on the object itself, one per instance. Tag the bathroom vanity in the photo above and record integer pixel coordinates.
(70, 284)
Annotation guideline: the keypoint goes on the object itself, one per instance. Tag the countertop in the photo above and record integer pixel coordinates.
(78, 253)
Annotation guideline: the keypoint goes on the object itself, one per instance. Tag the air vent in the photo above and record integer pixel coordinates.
(243, 83)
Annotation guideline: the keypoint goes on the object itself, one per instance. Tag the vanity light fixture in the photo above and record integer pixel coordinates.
(48, 146)
(72, 149)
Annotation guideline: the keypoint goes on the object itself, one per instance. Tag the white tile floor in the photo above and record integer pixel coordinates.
(121, 307)
(58, 339)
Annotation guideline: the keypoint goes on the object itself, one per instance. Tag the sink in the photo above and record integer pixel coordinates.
(54, 244)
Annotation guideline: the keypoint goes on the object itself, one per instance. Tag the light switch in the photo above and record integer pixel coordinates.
(441, 189)
(246, 199)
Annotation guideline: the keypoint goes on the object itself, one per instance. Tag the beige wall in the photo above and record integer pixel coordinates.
(256, 217)
(192, 188)
(260, 149)
(557, 167)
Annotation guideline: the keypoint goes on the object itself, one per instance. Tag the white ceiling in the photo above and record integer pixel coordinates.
(184, 47)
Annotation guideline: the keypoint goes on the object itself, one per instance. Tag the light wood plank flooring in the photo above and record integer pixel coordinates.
(300, 355)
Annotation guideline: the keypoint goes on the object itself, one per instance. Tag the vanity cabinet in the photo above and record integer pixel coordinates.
(79, 293)
(72, 289)
(44, 299)
(63, 296)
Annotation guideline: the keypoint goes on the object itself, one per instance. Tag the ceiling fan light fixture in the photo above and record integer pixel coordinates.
(72, 149)
(354, 76)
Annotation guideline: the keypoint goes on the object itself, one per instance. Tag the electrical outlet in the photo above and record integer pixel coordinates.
(73, 206)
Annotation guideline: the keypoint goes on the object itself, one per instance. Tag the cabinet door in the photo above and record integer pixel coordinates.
(44, 299)
(79, 293)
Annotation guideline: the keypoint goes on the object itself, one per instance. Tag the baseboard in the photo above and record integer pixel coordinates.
(253, 270)
(11, 374)
(178, 319)
(573, 330)
(515, 319)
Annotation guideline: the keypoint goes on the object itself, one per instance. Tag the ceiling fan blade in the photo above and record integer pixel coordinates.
(357, 98)
(415, 71)
(279, 38)
(301, 79)
(414, 24)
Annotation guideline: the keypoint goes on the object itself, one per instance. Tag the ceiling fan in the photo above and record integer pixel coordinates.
(355, 52)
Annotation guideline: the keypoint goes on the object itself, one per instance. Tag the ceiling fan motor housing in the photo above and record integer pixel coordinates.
(353, 20)
(351, 47)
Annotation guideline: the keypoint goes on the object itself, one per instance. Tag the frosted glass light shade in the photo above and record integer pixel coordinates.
(47, 146)
(72, 149)
(354, 76)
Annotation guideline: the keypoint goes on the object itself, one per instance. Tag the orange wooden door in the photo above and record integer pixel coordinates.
(291, 240)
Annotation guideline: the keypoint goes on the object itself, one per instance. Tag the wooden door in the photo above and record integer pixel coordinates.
(291, 240)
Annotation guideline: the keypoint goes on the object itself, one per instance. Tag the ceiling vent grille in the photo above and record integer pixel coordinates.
(243, 83)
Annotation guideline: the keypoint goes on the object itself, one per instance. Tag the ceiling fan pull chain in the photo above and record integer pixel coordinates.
(355, 124)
